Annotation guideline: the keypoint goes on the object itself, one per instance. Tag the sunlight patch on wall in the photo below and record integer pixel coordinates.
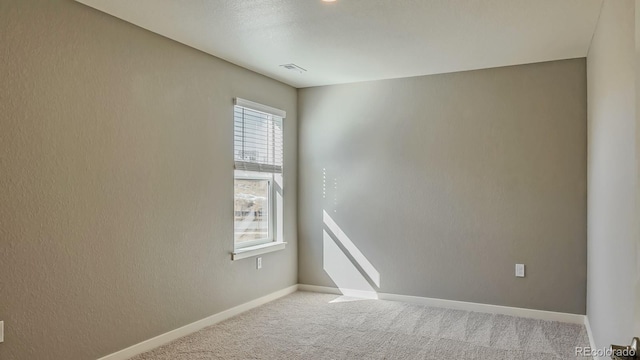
(351, 249)
(342, 271)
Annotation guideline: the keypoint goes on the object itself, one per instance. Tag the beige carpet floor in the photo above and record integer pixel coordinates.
(307, 325)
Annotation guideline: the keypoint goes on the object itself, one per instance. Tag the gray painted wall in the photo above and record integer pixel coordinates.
(612, 175)
(116, 183)
(439, 185)
(637, 93)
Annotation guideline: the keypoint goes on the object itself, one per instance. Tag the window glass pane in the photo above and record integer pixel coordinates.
(257, 140)
(251, 210)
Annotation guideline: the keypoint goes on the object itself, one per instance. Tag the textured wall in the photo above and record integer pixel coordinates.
(116, 183)
(439, 185)
(612, 175)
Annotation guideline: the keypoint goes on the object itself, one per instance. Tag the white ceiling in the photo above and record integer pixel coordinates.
(359, 40)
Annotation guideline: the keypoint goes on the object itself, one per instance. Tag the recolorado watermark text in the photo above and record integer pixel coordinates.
(604, 352)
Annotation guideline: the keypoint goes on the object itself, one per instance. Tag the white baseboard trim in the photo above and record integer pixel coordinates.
(458, 305)
(195, 326)
(346, 292)
(587, 325)
(320, 289)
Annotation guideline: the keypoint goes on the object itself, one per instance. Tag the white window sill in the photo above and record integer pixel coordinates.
(250, 251)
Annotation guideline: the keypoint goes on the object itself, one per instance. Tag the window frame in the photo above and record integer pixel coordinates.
(275, 240)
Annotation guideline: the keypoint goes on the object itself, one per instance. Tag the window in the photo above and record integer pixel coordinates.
(258, 157)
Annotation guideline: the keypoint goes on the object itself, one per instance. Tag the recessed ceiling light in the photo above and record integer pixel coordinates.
(329, 1)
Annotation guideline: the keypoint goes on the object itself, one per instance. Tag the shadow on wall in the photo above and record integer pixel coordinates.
(345, 264)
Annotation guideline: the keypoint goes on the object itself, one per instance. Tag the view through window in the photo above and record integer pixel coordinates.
(251, 209)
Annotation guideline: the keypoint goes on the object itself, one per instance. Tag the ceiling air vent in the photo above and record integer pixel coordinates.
(293, 67)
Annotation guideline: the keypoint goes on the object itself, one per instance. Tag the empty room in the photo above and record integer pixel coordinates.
(319, 179)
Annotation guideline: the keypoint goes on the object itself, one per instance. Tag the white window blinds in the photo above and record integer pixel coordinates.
(258, 137)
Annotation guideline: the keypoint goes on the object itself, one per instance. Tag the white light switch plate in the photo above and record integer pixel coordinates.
(519, 270)
(259, 263)
(1, 331)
